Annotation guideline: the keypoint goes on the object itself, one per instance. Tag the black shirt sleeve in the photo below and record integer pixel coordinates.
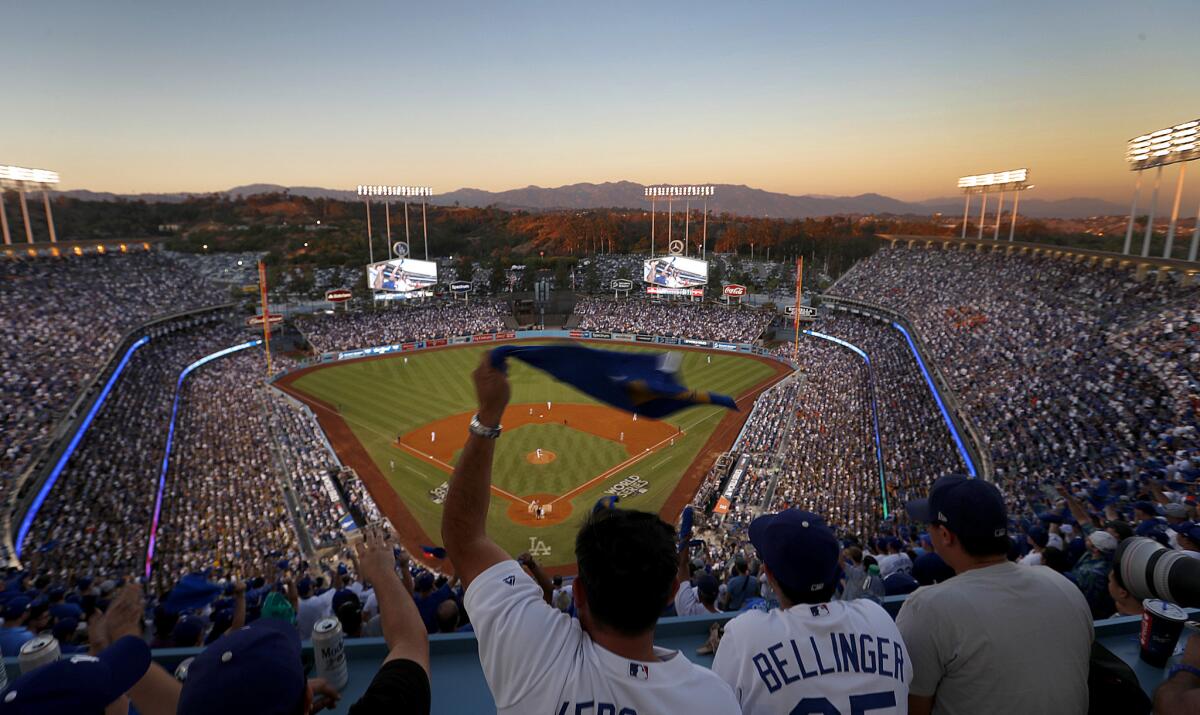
(401, 687)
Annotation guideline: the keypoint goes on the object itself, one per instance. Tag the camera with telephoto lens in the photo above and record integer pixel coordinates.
(1147, 569)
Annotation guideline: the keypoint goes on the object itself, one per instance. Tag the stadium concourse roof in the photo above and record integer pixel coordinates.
(1079, 255)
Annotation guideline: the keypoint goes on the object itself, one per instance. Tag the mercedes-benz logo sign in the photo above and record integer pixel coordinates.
(676, 247)
(400, 248)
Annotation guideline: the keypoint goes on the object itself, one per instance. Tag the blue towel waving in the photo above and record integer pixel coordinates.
(643, 383)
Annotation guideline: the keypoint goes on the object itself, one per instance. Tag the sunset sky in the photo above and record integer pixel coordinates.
(800, 97)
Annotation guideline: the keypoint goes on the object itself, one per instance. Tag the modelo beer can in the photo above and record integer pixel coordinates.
(38, 651)
(329, 650)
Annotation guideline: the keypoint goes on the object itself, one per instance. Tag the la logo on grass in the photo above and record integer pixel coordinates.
(537, 547)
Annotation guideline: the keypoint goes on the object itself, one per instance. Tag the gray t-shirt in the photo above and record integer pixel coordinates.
(1000, 639)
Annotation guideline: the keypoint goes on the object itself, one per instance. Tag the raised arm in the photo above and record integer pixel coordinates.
(464, 516)
(403, 628)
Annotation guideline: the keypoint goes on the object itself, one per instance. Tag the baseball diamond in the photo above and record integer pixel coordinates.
(400, 424)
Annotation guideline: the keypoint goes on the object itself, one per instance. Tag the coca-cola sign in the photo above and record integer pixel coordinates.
(734, 290)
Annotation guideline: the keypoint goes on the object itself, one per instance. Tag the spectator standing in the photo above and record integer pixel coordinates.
(996, 638)
(741, 586)
(813, 654)
(538, 659)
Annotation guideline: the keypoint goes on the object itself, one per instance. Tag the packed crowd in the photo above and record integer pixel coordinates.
(706, 321)
(59, 321)
(426, 321)
(1076, 375)
(235, 449)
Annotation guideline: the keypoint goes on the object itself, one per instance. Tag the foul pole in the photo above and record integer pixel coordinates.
(262, 286)
(796, 321)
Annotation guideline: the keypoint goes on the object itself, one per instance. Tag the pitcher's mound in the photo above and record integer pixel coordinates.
(545, 457)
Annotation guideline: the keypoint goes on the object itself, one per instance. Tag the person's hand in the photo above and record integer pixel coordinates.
(1191, 652)
(325, 696)
(525, 559)
(375, 557)
(97, 633)
(239, 587)
(124, 615)
(493, 391)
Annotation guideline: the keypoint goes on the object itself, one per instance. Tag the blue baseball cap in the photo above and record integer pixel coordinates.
(80, 684)
(929, 569)
(798, 548)
(1189, 529)
(1039, 535)
(255, 669)
(970, 508)
(344, 596)
(16, 607)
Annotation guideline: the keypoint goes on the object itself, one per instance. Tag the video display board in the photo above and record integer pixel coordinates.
(401, 275)
(675, 272)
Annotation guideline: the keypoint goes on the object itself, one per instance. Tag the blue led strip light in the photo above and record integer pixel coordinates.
(162, 476)
(27, 522)
(874, 410)
(937, 397)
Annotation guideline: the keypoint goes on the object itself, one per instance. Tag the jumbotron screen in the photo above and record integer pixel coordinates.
(675, 272)
(401, 275)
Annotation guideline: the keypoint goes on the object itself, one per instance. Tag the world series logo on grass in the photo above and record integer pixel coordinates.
(628, 486)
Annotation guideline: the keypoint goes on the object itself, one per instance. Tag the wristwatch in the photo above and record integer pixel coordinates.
(479, 429)
(1183, 668)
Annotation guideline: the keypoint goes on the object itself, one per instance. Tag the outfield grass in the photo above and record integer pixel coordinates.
(382, 398)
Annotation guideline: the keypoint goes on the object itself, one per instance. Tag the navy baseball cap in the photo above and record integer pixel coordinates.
(16, 607)
(255, 669)
(79, 684)
(343, 597)
(798, 548)
(1189, 529)
(707, 585)
(971, 508)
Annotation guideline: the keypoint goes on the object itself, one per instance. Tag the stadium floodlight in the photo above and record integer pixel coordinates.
(19, 174)
(1154, 150)
(402, 193)
(670, 192)
(1015, 180)
(22, 179)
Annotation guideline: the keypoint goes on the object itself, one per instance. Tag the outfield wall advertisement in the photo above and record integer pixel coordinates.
(401, 275)
(535, 334)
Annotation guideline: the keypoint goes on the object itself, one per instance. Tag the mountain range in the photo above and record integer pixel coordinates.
(734, 198)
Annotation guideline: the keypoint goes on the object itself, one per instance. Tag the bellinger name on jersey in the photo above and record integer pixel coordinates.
(844, 653)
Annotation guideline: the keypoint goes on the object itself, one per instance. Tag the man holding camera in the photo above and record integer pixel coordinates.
(996, 638)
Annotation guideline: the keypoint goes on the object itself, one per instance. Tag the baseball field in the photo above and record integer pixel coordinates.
(400, 421)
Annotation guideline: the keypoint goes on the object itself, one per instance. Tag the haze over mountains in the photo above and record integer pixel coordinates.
(737, 199)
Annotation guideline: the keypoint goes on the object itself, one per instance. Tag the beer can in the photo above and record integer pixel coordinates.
(329, 650)
(38, 651)
(181, 670)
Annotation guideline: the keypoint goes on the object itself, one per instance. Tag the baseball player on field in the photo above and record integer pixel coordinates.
(813, 655)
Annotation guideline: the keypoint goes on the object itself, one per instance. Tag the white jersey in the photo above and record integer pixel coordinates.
(539, 660)
(843, 656)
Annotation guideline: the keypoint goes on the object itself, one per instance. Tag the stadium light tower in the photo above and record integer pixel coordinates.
(22, 179)
(405, 193)
(1014, 180)
(1178, 144)
(687, 193)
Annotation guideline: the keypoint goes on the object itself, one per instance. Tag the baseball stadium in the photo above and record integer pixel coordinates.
(621, 448)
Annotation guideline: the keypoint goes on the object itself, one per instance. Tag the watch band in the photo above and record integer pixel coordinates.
(1183, 668)
(479, 429)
